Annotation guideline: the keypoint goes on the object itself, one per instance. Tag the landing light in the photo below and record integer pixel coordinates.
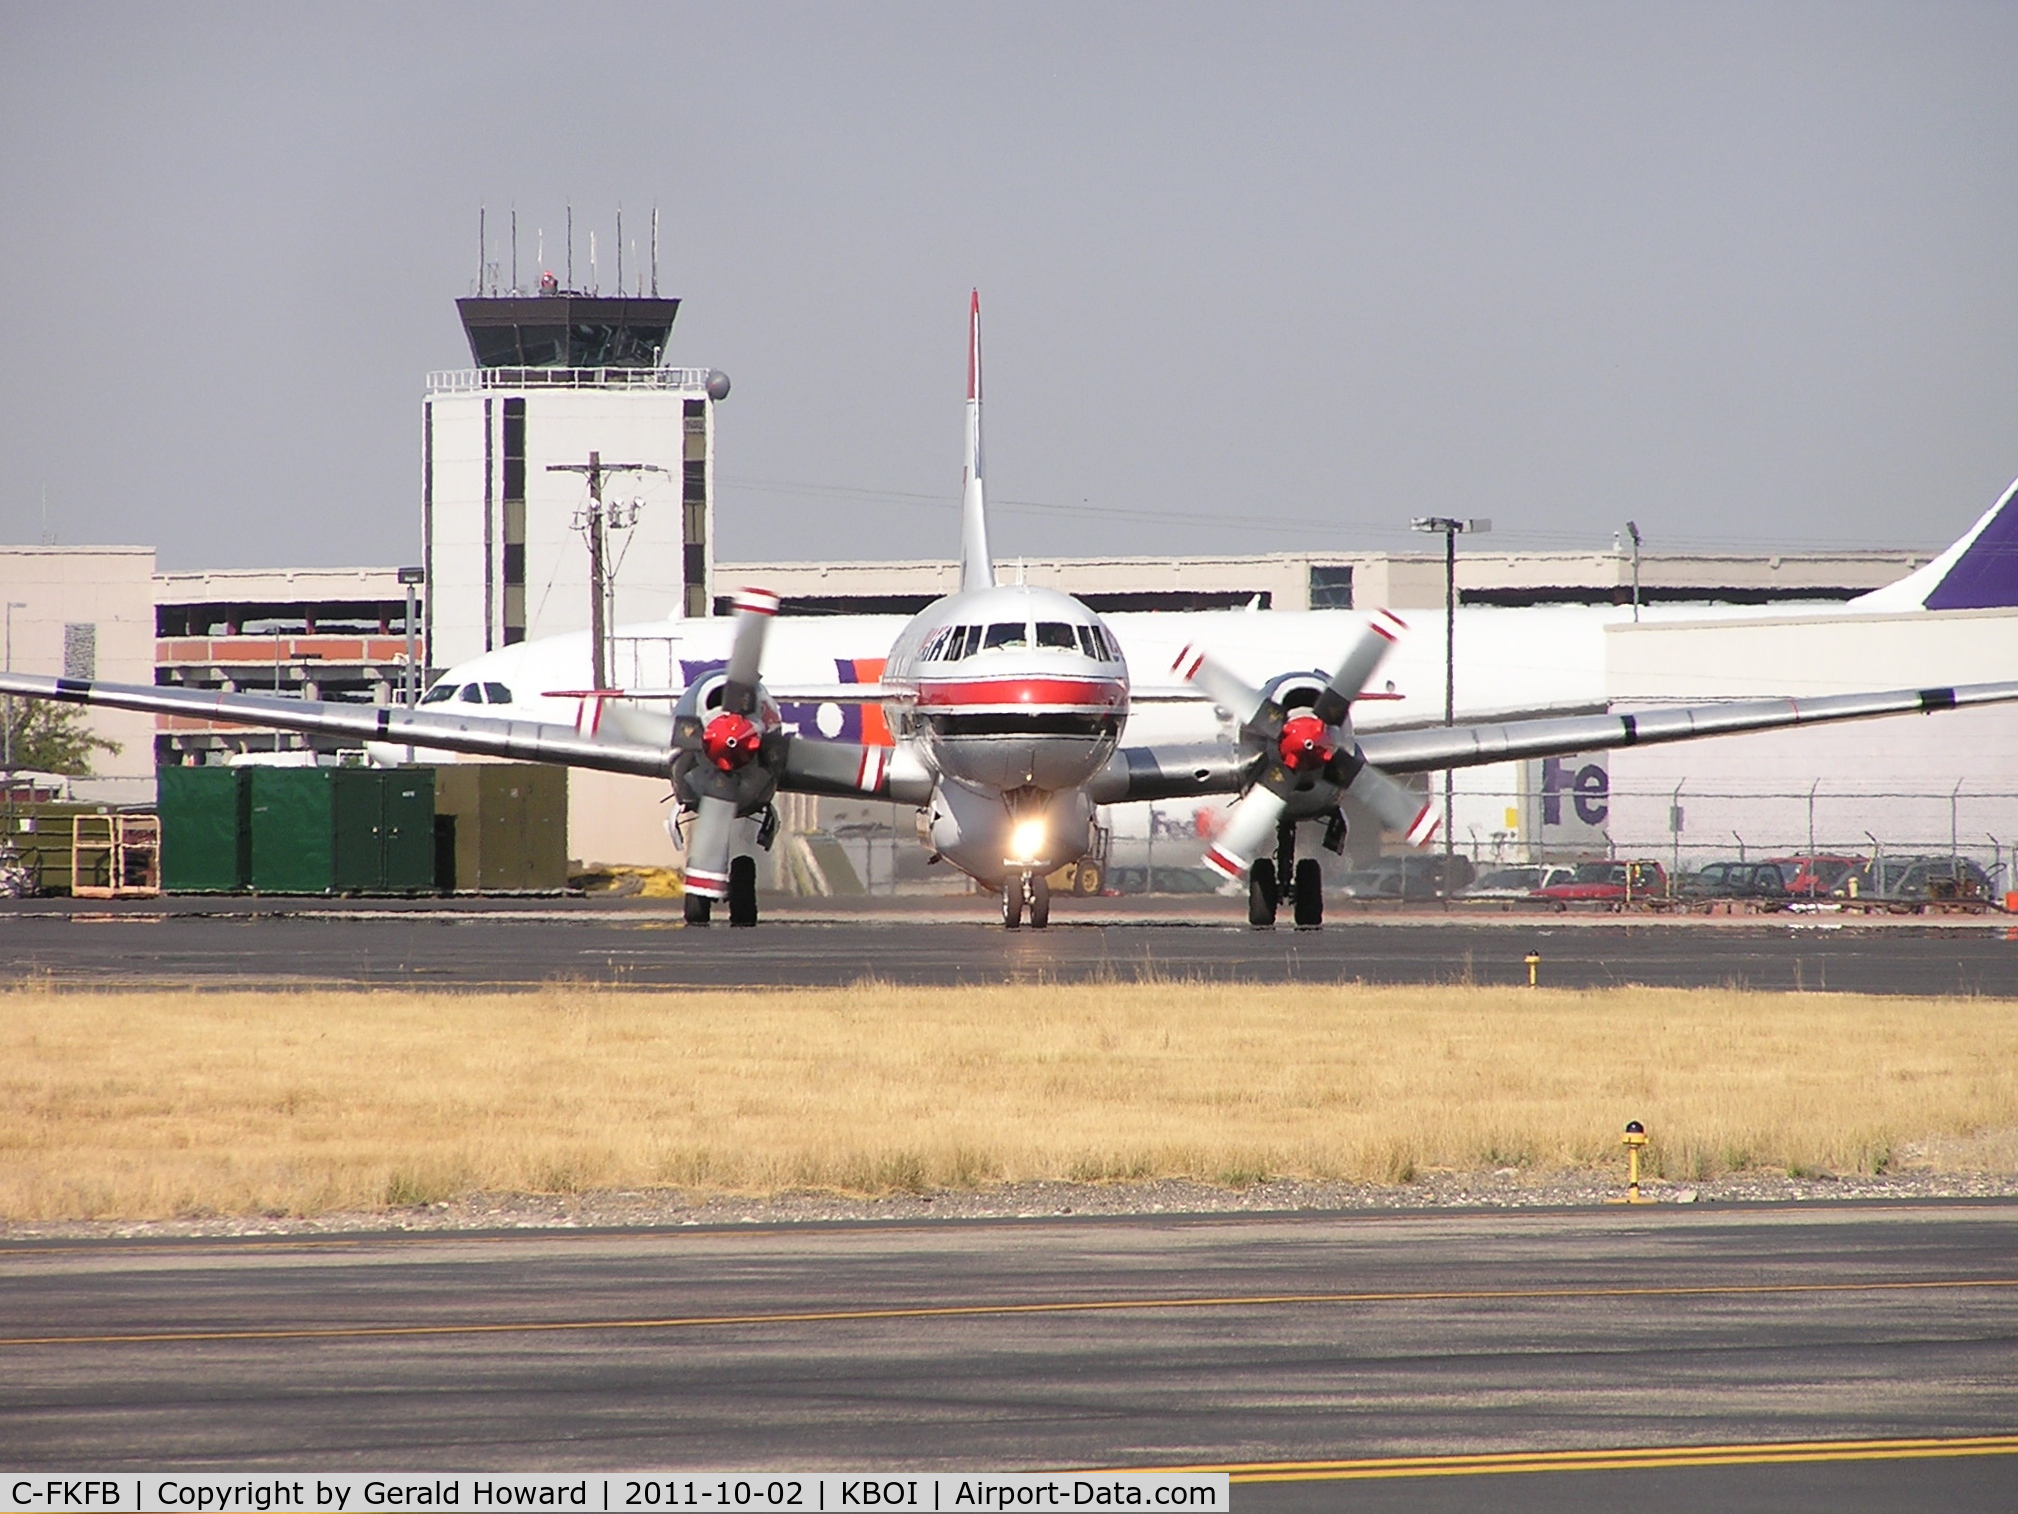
(1027, 840)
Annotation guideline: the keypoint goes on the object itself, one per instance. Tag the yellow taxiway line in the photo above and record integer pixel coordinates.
(1758, 1454)
(968, 1311)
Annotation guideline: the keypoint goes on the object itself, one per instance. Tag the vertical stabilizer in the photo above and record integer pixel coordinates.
(1979, 572)
(977, 568)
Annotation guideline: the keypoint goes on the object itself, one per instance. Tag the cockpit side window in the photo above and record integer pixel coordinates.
(1055, 633)
(1013, 634)
(496, 693)
(441, 693)
(472, 693)
(1089, 643)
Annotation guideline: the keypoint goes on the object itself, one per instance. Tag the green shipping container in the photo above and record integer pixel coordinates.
(341, 830)
(407, 799)
(206, 835)
(503, 826)
(40, 833)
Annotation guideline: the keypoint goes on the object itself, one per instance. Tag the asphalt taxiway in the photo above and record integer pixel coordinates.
(1837, 1357)
(504, 943)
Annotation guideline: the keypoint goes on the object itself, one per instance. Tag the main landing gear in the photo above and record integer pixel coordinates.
(1306, 883)
(1030, 891)
(698, 909)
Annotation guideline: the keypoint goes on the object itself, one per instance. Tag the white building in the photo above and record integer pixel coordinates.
(88, 612)
(563, 379)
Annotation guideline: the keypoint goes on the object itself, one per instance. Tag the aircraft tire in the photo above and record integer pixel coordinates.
(1309, 893)
(1012, 903)
(1261, 895)
(697, 908)
(1040, 902)
(743, 891)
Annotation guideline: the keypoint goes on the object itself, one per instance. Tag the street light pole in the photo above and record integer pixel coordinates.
(1450, 527)
(1633, 531)
(409, 681)
(7, 759)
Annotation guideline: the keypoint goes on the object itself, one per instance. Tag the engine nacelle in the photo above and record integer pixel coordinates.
(721, 753)
(1294, 691)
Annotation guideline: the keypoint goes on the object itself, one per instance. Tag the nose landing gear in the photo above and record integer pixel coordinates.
(1026, 890)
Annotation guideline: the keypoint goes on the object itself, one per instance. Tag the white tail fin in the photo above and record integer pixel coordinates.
(977, 568)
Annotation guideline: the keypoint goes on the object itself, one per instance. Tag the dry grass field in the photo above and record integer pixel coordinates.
(128, 1105)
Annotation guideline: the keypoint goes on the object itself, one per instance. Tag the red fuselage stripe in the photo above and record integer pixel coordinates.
(1023, 693)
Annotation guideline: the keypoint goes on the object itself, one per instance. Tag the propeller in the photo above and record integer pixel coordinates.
(1296, 745)
(728, 744)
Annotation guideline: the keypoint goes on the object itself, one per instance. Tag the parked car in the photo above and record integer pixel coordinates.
(1609, 883)
(1816, 877)
(1734, 880)
(1515, 882)
(1917, 880)
(1424, 875)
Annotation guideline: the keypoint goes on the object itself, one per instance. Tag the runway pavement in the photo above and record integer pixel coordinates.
(518, 943)
(1497, 1351)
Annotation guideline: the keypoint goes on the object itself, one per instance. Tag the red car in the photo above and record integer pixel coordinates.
(1816, 877)
(1615, 883)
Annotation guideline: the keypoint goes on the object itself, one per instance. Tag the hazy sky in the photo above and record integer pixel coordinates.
(1255, 278)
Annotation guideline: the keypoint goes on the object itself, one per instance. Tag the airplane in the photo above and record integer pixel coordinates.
(1006, 711)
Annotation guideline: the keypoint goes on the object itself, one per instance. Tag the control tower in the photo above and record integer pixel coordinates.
(560, 375)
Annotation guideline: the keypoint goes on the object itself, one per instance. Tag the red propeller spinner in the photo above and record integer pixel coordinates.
(731, 741)
(1305, 742)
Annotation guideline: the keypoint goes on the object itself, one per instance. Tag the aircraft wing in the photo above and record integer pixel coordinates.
(1436, 747)
(515, 740)
(1138, 773)
(840, 768)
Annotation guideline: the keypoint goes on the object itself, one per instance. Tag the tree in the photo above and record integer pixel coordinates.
(52, 738)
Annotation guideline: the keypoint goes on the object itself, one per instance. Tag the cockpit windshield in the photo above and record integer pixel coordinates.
(1014, 634)
(1056, 633)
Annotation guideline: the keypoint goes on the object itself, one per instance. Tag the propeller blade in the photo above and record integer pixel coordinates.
(1394, 804)
(754, 609)
(1383, 628)
(708, 842)
(1250, 831)
(1224, 687)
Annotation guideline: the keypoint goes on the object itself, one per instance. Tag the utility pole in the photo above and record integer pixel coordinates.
(1450, 527)
(595, 522)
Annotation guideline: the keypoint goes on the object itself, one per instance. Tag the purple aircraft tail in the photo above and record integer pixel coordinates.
(1979, 572)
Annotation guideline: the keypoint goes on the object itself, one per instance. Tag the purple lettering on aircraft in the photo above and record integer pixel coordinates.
(1589, 788)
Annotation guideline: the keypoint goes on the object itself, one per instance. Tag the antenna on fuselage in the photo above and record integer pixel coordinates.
(977, 568)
